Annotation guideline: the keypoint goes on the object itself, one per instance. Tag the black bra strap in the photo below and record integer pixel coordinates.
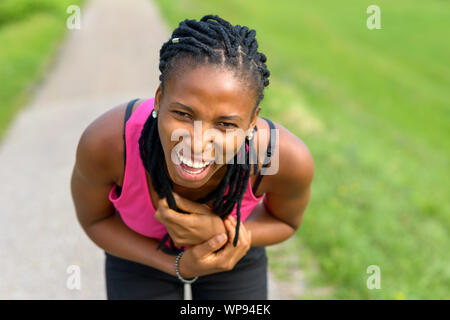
(252, 152)
(127, 116)
(270, 147)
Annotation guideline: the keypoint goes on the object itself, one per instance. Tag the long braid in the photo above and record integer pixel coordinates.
(215, 41)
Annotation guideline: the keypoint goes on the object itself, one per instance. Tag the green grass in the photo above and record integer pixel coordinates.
(373, 108)
(30, 32)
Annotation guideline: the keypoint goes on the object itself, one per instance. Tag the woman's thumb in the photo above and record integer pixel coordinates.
(211, 245)
(217, 242)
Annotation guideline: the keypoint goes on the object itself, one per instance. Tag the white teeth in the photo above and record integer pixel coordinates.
(193, 172)
(191, 164)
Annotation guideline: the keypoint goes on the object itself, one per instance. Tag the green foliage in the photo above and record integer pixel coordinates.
(13, 10)
(30, 31)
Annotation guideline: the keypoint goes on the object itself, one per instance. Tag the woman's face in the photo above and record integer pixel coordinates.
(203, 118)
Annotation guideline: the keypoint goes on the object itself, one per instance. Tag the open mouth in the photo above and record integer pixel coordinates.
(192, 170)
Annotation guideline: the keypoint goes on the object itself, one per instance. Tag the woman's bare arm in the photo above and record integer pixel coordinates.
(91, 181)
(287, 193)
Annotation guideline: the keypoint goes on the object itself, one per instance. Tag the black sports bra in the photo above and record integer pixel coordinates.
(259, 177)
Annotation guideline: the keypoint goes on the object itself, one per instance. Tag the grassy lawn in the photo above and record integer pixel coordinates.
(30, 32)
(373, 108)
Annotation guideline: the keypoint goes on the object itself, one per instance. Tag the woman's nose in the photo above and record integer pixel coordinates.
(203, 143)
(202, 149)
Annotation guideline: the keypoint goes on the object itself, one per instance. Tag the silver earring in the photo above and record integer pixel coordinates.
(154, 114)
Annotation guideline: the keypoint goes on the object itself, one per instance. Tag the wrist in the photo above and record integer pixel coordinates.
(183, 270)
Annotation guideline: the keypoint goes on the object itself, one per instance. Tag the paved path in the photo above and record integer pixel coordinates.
(99, 66)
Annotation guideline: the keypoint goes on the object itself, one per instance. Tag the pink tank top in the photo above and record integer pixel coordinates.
(134, 203)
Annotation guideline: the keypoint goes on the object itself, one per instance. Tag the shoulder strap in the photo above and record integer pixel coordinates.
(127, 116)
(253, 152)
(270, 147)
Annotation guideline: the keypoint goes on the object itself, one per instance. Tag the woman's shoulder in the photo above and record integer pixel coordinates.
(101, 143)
(291, 166)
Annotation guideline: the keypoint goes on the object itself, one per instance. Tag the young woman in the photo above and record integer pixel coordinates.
(203, 213)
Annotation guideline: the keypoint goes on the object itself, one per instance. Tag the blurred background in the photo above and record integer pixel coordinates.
(372, 105)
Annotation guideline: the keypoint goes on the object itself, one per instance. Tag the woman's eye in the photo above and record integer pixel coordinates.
(186, 115)
(228, 125)
(182, 114)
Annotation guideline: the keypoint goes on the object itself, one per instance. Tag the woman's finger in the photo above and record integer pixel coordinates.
(243, 234)
(244, 238)
(231, 231)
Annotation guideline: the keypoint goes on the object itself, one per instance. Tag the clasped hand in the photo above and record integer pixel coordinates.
(189, 229)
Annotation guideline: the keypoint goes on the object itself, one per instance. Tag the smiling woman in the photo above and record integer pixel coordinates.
(188, 182)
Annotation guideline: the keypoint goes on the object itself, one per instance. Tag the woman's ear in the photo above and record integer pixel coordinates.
(158, 98)
(254, 118)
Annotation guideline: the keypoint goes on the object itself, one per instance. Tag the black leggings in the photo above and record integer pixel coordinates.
(130, 280)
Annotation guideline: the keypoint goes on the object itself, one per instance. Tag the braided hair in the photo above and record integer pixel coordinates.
(212, 40)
